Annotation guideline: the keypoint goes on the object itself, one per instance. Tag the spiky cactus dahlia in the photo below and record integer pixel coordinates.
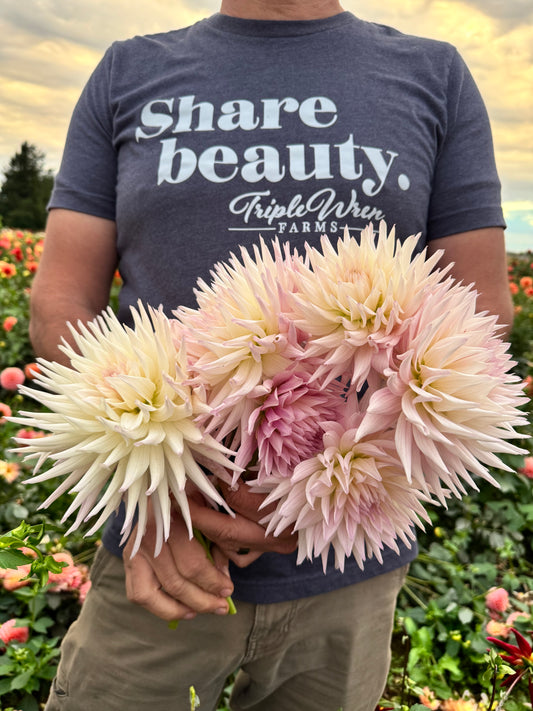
(352, 496)
(356, 299)
(122, 416)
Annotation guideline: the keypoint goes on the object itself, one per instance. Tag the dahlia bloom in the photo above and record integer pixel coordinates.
(11, 378)
(122, 416)
(70, 577)
(356, 300)
(449, 395)
(497, 629)
(281, 422)
(238, 335)
(429, 699)
(31, 370)
(353, 496)
(15, 578)
(497, 600)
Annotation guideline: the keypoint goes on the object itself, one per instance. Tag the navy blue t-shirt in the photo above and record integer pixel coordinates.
(200, 139)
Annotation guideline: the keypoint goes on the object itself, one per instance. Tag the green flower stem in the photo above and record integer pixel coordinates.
(206, 545)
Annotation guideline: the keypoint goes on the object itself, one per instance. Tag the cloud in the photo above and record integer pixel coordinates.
(508, 13)
(48, 51)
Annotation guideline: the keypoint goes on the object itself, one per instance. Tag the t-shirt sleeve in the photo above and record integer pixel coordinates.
(87, 177)
(466, 191)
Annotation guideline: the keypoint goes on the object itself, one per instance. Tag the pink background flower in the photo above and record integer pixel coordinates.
(527, 469)
(10, 633)
(11, 378)
(5, 410)
(497, 600)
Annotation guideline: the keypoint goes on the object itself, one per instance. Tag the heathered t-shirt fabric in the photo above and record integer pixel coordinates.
(201, 139)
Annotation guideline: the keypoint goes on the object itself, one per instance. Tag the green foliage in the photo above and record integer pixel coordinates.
(26, 190)
(27, 667)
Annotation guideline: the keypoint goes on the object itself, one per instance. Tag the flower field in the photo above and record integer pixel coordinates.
(473, 578)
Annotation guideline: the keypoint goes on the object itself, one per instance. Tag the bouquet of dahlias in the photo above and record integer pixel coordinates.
(352, 385)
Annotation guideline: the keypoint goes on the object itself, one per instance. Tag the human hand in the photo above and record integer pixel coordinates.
(242, 532)
(181, 581)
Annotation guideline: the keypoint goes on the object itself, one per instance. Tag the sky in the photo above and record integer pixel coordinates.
(50, 47)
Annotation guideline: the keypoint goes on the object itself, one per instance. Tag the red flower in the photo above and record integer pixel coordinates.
(17, 253)
(519, 656)
(9, 323)
(7, 269)
(31, 370)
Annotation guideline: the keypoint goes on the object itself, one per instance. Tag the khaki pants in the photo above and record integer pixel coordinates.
(320, 653)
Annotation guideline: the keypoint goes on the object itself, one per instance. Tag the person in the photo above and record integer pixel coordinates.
(271, 117)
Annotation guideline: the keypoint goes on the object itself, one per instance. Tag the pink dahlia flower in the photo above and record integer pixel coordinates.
(353, 496)
(449, 395)
(70, 577)
(285, 425)
(9, 323)
(9, 470)
(238, 336)
(15, 578)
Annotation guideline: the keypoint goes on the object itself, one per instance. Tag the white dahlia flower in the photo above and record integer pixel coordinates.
(122, 424)
(355, 300)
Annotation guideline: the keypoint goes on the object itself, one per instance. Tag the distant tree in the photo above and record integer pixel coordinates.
(25, 190)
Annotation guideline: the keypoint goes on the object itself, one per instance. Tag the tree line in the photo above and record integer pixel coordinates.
(25, 190)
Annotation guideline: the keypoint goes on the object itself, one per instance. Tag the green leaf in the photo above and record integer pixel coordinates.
(20, 681)
(28, 703)
(466, 615)
(409, 626)
(451, 665)
(12, 558)
(42, 624)
(5, 686)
